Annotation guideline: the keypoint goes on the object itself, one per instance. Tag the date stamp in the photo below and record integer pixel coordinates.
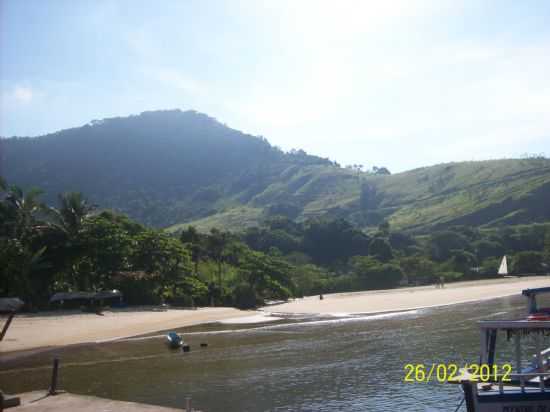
(444, 372)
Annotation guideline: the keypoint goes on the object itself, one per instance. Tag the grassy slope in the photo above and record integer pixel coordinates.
(480, 193)
(459, 192)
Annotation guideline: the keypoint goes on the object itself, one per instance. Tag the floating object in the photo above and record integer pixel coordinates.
(503, 269)
(204, 345)
(173, 340)
(186, 348)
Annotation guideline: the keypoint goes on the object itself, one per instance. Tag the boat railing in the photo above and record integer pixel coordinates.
(524, 380)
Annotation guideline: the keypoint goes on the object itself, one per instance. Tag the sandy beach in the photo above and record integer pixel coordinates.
(409, 298)
(50, 329)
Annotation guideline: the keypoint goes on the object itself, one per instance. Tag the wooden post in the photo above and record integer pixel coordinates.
(538, 349)
(7, 325)
(470, 395)
(53, 386)
(518, 351)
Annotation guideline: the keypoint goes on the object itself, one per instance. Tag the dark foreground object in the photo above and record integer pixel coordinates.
(8, 401)
(39, 401)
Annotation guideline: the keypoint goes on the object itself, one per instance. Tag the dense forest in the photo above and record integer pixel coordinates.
(76, 246)
(160, 168)
(173, 168)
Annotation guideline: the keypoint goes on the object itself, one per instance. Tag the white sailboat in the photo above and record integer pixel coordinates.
(503, 269)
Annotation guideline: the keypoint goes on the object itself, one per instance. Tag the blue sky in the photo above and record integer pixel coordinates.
(397, 83)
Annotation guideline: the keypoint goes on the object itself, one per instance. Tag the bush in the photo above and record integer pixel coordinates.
(528, 262)
(244, 296)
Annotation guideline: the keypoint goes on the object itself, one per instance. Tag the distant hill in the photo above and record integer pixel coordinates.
(161, 167)
(172, 168)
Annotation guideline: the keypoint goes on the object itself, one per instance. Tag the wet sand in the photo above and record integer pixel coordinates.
(409, 298)
(50, 329)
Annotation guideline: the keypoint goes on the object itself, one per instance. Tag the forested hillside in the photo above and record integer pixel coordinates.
(173, 168)
(159, 167)
(265, 224)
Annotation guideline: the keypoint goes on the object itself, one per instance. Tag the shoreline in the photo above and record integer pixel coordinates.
(31, 334)
(409, 298)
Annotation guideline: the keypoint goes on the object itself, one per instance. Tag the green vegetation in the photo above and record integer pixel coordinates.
(245, 221)
(44, 250)
(174, 169)
(75, 247)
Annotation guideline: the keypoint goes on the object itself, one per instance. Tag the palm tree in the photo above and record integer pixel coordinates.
(20, 210)
(73, 210)
(217, 242)
(68, 221)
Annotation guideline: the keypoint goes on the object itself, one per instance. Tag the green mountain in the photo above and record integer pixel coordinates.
(172, 168)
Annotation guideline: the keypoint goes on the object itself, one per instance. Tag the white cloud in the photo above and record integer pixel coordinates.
(180, 80)
(22, 94)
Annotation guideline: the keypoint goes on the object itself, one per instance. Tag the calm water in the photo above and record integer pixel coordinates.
(352, 364)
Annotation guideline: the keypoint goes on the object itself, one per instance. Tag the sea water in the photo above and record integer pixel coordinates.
(349, 363)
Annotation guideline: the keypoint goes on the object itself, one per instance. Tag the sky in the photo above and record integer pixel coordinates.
(400, 83)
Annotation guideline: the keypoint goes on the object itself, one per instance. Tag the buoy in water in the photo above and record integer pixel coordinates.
(186, 348)
(204, 345)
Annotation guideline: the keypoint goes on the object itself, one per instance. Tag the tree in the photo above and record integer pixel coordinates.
(269, 276)
(528, 262)
(384, 229)
(373, 274)
(380, 249)
(401, 241)
(217, 242)
(165, 256)
(462, 261)
(546, 252)
(193, 240)
(486, 248)
(190, 235)
(442, 244)
(107, 248)
(73, 210)
(331, 240)
(19, 212)
(21, 256)
(417, 269)
(67, 221)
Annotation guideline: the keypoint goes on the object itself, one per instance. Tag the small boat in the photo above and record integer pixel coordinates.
(524, 385)
(173, 340)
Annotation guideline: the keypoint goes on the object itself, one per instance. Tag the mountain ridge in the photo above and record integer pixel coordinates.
(172, 168)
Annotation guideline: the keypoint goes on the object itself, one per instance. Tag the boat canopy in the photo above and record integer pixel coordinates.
(531, 295)
(107, 294)
(104, 294)
(535, 291)
(10, 304)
